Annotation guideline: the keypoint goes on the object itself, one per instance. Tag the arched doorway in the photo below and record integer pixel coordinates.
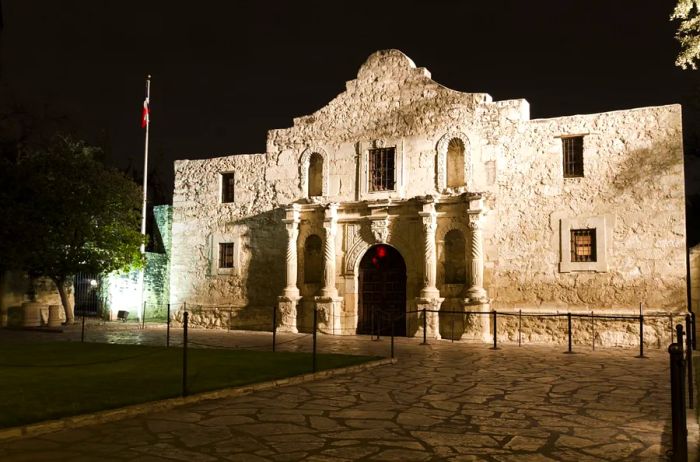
(382, 292)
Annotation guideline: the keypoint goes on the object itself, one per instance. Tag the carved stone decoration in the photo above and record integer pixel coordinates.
(304, 162)
(441, 160)
(379, 143)
(380, 230)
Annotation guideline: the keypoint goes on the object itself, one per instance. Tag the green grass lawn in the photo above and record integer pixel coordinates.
(51, 380)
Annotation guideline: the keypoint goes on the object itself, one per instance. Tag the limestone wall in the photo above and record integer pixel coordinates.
(632, 191)
(633, 164)
(695, 278)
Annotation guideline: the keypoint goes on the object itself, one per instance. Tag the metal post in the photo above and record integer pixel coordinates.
(689, 359)
(679, 431)
(495, 330)
(641, 336)
(313, 366)
(692, 321)
(520, 327)
(679, 335)
(425, 328)
(274, 328)
(392, 336)
(568, 320)
(167, 328)
(379, 326)
(143, 317)
(184, 354)
(82, 330)
(372, 321)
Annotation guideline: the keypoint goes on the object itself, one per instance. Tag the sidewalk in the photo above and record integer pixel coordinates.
(455, 402)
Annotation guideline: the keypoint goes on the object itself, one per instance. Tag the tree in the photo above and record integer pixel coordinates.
(65, 212)
(688, 33)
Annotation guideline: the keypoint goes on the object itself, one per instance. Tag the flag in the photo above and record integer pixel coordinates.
(145, 115)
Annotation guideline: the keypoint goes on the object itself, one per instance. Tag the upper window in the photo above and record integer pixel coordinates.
(583, 245)
(455, 163)
(315, 175)
(226, 255)
(227, 187)
(573, 156)
(381, 169)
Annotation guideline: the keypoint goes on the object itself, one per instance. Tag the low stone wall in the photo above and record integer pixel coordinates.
(225, 317)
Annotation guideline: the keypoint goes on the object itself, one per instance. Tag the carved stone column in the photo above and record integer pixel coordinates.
(329, 225)
(328, 303)
(429, 217)
(429, 298)
(287, 303)
(475, 291)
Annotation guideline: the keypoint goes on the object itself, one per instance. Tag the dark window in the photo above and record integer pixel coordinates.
(226, 255)
(313, 260)
(573, 156)
(227, 187)
(455, 270)
(315, 175)
(381, 169)
(583, 245)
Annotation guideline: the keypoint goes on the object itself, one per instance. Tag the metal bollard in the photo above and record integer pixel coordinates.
(692, 323)
(689, 360)
(641, 336)
(184, 354)
(167, 328)
(274, 328)
(679, 431)
(82, 331)
(679, 335)
(568, 320)
(313, 354)
(425, 328)
(495, 330)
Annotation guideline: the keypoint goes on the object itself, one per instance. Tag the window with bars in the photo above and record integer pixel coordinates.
(583, 245)
(573, 156)
(226, 255)
(381, 169)
(227, 187)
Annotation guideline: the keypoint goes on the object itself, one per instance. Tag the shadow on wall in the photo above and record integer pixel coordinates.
(266, 246)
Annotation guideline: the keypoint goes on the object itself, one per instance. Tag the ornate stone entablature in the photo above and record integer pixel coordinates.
(304, 162)
(441, 161)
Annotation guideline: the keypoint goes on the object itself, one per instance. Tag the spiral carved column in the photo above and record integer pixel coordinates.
(476, 290)
(329, 289)
(428, 302)
(287, 303)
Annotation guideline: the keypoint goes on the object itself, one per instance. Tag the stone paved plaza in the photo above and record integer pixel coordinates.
(454, 402)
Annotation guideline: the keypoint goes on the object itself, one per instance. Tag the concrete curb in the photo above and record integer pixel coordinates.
(112, 415)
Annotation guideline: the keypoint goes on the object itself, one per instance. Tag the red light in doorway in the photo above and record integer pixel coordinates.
(381, 251)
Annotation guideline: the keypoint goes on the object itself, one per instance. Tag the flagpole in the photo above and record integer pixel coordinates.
(142, 306)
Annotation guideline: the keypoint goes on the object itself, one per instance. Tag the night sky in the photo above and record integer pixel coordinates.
(226, 72)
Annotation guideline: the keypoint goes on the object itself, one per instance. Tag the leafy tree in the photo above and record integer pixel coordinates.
(688, 33)
(63, 212)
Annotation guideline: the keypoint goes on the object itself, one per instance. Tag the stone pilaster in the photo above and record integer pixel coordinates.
(475, 283)
(429, 298)
(287, 303)
(429, 216)
(330, 226)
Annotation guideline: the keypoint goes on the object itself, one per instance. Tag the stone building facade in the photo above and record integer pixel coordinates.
(402, 194)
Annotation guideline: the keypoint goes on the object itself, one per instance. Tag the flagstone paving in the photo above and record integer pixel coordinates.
(452, 402)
